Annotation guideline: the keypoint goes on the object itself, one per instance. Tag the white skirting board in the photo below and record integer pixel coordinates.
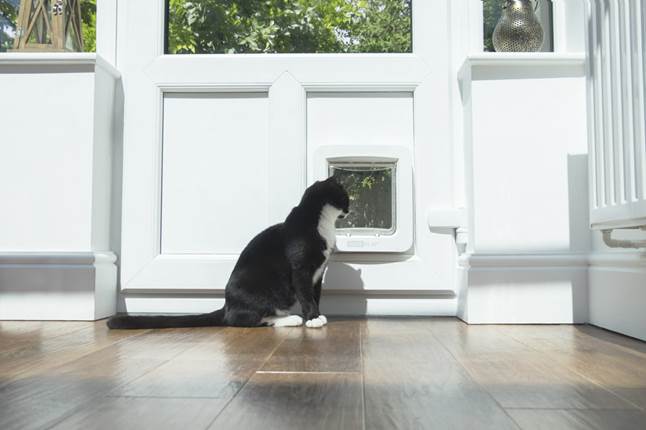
(617, 289)
(57, 286)
(523, 289)
(332, 303)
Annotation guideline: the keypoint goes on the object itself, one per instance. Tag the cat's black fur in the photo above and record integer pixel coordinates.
(275, 270)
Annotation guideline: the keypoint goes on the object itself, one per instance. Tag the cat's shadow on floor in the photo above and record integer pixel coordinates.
(343, 292)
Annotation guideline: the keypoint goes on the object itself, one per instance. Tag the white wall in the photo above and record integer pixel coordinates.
(55, 186)
(46, 149)
(526, 164)
(617, 286)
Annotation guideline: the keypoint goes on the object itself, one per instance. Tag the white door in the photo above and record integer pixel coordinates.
(218, 147)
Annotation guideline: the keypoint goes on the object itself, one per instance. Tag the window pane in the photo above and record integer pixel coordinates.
(492, 9)
(288, 26)
(77, 18)
(8, 15)
(371, 187)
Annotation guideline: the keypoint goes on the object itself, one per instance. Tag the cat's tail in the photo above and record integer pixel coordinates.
(212, 319)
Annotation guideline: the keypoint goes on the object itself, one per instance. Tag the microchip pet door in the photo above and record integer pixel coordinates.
(379, 181)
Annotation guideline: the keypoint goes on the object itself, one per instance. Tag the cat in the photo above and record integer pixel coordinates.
(282, 265)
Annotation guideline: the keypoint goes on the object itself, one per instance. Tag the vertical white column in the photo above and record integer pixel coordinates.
(106, 30)
(638, 35)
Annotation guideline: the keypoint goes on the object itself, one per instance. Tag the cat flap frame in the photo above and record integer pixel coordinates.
(399, 236)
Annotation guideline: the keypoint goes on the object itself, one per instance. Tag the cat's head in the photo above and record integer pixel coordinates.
(329, 192)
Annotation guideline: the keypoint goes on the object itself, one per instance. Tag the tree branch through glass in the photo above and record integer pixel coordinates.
(371, 187)
(288, 26)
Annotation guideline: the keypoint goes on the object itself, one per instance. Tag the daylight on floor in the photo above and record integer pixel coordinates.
(322, 214)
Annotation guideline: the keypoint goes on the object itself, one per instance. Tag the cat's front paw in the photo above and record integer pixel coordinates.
(317, 322)
(289, 321)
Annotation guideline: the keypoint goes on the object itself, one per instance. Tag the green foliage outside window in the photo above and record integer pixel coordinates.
(9, 15)
(371, 196)
(88, 25)
(492, 9)
(288, 26)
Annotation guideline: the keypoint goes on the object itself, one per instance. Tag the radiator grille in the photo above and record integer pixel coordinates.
(617, 66)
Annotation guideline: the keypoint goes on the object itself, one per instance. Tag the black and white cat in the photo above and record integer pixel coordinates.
(280, 266)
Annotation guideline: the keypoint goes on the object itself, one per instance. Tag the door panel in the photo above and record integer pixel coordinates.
(359, 119)
(215, 171)
(218, 147)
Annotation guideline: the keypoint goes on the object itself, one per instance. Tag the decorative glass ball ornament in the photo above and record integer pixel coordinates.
(518, 29)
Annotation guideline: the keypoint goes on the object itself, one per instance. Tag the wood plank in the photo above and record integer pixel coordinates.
(19, 336)
(471, 341)
(234, 342)
(628, 344)
(622, 374)
(557, 419)
(216, 367)
(143, 413)
(333, 348)
(296, 400)
(573, 338)
(35, 401)
(417, 373)
(412, 381)
(19, 333)
(405, 340)
(55, 347)
(517, 367)
(534, 381)
(545, 337)
(613, 361)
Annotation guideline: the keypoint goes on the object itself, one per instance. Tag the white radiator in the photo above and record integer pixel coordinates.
(617, 115)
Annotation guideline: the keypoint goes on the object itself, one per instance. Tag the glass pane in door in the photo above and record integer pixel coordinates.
(371, 187)
(288, 26)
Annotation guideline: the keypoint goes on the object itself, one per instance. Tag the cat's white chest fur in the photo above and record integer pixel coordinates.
(327, 230)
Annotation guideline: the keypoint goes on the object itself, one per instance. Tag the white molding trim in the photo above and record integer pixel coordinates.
(385, 87)
(595, 259)
(219, 292)
(520, 59)
(618, 259)
(58, 258)
(523, 289)
(331, 304)
(72, 61)
(180, 87)
(499, 65)
(522, 260)
(608, 259)
(617, 291)
(57, 285)
(48, 58)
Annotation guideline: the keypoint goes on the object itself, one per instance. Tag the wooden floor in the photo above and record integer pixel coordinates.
(353, 374)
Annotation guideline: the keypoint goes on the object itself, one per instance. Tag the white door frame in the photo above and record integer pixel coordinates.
(287, 78)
